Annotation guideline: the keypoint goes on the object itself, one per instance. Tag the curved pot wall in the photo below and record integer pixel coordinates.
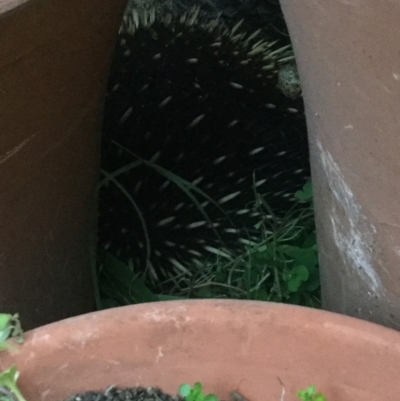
(54, 58)
(227, 345)
(349, 61)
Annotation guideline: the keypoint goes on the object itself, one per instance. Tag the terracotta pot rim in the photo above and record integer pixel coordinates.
(226, 344)
(228, 310)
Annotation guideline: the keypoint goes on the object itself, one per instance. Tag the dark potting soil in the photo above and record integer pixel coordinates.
(136, 394)
(125, 394)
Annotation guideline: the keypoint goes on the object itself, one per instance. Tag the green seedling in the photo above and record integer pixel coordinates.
(305, 195)
(195, 393)
(10, 326)
(9, 390)
(279, 264)
(310, 394)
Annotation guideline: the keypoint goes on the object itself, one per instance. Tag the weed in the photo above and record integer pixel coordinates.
(10, 327)
(195, 393)
(9, 390)
(310, 394)
(282, 266)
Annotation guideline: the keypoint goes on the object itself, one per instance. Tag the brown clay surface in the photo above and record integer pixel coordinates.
(54, 58)
(7, 5)
(349, 63)
(227, 345)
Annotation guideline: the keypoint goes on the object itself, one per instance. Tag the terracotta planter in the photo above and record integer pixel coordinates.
(349, 63)
(54, 58)
(227, 345)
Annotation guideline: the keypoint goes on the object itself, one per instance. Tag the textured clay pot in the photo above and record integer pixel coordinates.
(227, 345)
(349, 64)
(54, 58)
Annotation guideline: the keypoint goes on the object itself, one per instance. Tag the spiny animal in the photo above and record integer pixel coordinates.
(194, 111)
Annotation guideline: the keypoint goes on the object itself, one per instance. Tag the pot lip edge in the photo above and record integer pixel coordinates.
(277, 312)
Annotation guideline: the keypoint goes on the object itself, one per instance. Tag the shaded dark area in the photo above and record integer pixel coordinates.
(203, 106)
(256, 14)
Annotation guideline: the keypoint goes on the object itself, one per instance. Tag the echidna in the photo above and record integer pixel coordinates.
(195, 96)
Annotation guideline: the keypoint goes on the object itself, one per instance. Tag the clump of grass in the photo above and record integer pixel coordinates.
(281, 266)
(188, 188)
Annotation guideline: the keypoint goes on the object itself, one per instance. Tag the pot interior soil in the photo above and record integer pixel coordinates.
(140, 393)
(125, 394)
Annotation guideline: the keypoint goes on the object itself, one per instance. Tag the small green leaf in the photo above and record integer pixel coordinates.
(310, 394)
(8, 380)
(303, 256)
(262, 248)
(306, 193)
(210, 397)
(5, 329)
(197, 392)
(10, 326)
(185, 389)
(296, 277)
(121, 284)
(5, 320)
(261, 294)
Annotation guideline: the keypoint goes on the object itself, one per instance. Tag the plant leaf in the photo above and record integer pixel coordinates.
(8, 379)
(185, 389)
(210, 397)
(5, 320)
